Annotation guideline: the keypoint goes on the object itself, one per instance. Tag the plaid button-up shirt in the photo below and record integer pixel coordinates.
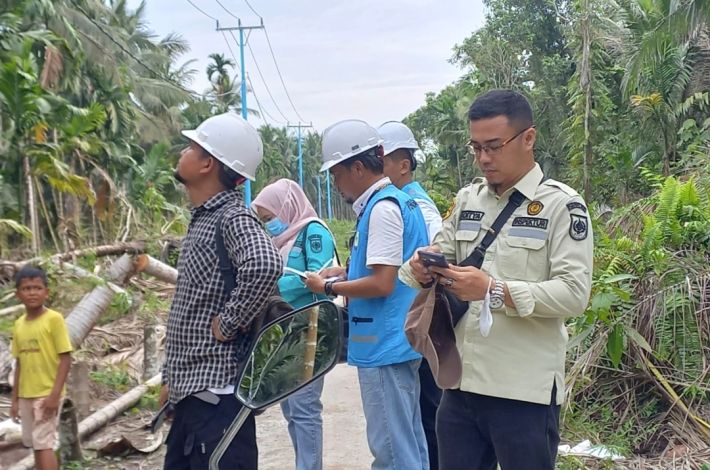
(195, 360)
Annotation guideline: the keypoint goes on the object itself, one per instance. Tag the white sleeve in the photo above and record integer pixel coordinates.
(431, 217)
(385, 243)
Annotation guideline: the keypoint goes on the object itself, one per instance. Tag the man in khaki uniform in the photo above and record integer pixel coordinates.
(536, 273)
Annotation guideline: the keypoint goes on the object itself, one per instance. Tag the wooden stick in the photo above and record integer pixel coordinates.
(309, 358)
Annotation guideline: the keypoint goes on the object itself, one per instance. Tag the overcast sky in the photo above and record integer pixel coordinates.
(368, 59)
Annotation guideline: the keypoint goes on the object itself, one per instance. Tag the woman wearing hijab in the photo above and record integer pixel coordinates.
(306, 244)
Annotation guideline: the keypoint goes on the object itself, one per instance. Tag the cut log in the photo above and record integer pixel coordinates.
(158, 269)
(6, 361)
(99, 419)
(82, 319)
(81, 272)
(14, 310)
(98, 251)
(151, 365)
(78, 388)
(69, 444)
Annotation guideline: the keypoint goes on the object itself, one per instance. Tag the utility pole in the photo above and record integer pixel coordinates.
(300, 126)
(327, 190)
(320, 197)
(241, 28)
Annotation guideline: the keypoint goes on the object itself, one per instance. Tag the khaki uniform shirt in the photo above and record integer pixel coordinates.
(544, 255)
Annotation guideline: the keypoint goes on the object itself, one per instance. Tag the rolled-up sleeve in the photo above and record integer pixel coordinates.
(257, 265)
(567, 291)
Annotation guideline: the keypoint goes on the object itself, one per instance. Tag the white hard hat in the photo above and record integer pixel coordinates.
(397, 136)
(231, 140)
(346, 139)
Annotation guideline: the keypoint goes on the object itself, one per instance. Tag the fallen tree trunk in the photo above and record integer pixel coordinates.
(6, 360)
(84, 316)
(158, 269)
(98, 251)
(11, 310)
(101, 417)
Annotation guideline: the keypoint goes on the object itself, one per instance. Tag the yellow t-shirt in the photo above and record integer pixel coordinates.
(37, 344)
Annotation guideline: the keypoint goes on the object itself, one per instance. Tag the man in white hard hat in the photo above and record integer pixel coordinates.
(399, 164)
(201, 369)
(389, 228)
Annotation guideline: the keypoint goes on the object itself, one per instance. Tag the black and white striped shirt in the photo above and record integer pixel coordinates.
(195, 360)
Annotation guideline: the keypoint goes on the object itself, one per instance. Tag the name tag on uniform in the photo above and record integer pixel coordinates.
(529, 227)
(470, 220)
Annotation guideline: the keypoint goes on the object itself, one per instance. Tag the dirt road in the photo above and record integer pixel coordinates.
(344, 441)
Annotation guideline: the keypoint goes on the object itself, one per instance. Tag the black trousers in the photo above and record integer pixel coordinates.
(428, 403)
(197, 428)
(477, 432)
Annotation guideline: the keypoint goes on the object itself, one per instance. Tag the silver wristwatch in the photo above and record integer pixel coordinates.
(497, 295)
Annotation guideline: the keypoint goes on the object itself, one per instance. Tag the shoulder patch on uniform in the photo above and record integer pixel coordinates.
(578, 227)
(471, 215)
(315, 242)
(535, 207)
(412, 204)
(576, 205)
(531, 222)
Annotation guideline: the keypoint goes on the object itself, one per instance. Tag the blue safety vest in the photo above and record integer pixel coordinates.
(377, 325)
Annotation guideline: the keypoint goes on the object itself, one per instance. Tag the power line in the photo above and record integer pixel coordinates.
(201, 10)
(131, 55)
(227, 10)
(273, 56)
(252, 8)
(258, 103)
(263, 111)
(261, 75)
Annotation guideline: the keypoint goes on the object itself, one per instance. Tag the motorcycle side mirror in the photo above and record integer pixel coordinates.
(288, 354)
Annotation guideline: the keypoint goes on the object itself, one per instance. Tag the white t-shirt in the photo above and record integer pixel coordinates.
(385, 243)
(432, 218)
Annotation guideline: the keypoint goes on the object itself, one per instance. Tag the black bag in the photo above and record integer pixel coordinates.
(275, 305)
(457, 306)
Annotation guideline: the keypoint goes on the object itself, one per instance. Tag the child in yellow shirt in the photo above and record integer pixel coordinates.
(41, 345)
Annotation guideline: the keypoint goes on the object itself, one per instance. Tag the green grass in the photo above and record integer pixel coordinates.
(6, 325)
(342, 231)
(112, 377)
(149, 401)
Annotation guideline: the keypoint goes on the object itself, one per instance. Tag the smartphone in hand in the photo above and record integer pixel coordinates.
(430, 258)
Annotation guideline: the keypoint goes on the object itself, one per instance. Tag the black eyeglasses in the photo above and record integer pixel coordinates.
(476, 149)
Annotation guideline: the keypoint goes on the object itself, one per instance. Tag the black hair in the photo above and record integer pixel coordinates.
(30, 272)
(371, 159)
(508, 103)
(409, 155)
(227, 176)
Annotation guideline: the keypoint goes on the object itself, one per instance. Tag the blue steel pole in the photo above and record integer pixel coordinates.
(327, 190)
(300, 158)
(320, 197)
(247, 186)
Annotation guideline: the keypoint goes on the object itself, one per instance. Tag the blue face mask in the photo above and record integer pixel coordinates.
(275, 227)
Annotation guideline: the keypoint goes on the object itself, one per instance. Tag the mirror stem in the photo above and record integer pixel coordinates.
(228, 437)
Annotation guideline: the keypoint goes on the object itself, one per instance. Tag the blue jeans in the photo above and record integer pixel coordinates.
(303, 412)
(390, 399)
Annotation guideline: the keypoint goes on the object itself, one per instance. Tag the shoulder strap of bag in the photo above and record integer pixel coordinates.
(475, 259)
